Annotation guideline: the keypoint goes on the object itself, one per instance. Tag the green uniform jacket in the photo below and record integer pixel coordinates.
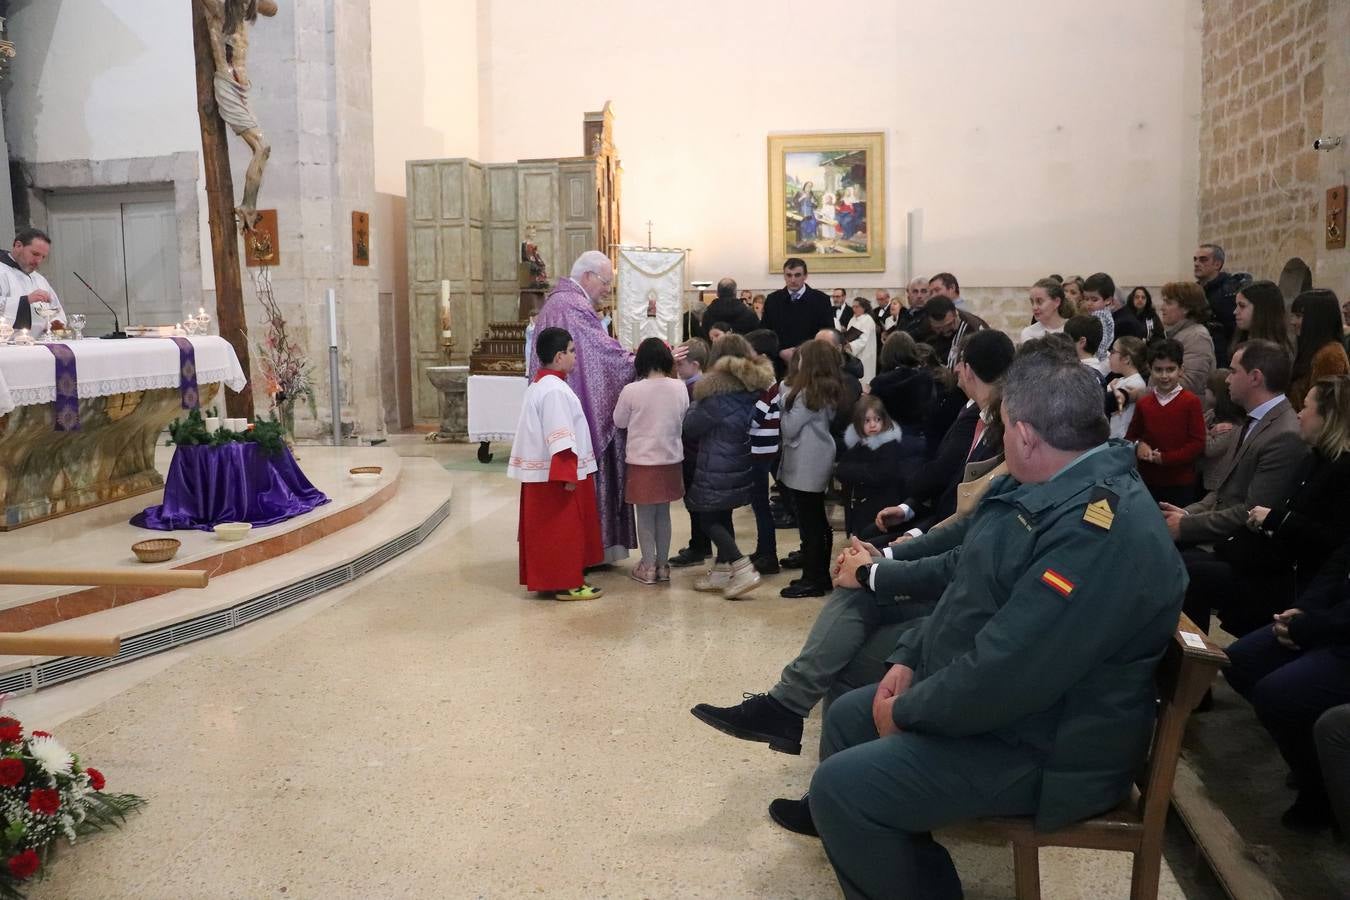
(1061, 598)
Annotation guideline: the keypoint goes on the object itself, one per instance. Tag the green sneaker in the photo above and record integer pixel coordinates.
(585, 592)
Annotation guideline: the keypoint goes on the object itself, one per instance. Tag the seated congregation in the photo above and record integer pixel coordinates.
(987, 646)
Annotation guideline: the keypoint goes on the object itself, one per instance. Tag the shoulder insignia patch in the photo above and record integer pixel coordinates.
(1057, 582)
(1101, 509)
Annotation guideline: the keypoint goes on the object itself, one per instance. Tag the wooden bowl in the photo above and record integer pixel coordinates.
(156, 550)
(232, 531)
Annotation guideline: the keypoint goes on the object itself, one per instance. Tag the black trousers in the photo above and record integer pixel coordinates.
(1245, 602)
(1290, 689)
(717, 525)
(814, 529)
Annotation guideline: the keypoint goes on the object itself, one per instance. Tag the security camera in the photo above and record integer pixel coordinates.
(1326, 143)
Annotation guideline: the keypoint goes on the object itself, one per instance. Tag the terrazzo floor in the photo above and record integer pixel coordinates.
(432, 731)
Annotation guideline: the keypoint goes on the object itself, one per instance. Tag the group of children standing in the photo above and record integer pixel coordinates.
(708, 425)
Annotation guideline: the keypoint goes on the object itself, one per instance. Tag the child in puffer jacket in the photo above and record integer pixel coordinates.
(874, 467)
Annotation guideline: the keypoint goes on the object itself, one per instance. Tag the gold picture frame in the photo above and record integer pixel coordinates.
(827, 201)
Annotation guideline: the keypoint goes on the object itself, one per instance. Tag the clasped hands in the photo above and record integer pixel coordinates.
(897, 681)
(1281, 627)
(857, 553)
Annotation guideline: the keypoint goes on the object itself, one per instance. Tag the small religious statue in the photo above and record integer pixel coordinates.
(227, 22)
(529, 255)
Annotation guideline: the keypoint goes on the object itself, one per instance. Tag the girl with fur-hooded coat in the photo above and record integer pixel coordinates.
(874, 470)
(719, 419)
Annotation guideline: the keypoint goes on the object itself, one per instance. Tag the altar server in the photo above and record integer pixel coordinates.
(552, 457)
(22, 285)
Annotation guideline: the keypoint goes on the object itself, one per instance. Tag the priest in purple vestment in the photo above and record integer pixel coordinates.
(603, 368)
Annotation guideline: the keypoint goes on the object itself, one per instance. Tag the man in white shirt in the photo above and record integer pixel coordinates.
(22, 285)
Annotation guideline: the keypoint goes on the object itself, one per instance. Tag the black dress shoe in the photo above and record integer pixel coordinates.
(759, 718)
(792, 561)
(765, 564)
(1310, 813)
(686, 558)
(794, 815)
(803, 589)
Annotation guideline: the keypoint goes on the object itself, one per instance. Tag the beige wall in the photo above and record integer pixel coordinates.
(1058, 137)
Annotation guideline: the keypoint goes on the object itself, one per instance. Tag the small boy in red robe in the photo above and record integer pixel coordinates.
(553, 459)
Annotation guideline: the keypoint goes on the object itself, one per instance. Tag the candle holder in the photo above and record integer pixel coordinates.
(23, 338)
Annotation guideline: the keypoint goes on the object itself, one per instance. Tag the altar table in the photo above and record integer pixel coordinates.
(235, 482)
(495, 402)
(128, 390)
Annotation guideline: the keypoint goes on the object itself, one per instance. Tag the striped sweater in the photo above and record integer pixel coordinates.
(764, 427)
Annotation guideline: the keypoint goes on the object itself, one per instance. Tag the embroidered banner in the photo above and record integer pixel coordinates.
(66, 413)
(187, 372)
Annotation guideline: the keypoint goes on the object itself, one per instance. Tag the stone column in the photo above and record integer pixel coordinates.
(310, 67)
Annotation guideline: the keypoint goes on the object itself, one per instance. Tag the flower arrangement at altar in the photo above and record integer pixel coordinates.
(286, 370)
(46, 794)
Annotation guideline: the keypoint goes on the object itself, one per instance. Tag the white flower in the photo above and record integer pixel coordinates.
(50, 755)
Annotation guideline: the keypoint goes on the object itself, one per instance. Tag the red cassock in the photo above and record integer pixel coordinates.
(559, 529)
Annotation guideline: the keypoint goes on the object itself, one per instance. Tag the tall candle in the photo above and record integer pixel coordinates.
(332, 317)
(445, 308)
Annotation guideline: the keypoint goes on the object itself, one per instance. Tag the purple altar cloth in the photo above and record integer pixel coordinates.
(234, 482)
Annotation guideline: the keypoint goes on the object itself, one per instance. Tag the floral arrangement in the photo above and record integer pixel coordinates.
(46, 794)
(190, 431)
(286, 371)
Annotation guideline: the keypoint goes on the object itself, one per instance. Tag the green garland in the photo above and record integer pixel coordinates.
(191, 432)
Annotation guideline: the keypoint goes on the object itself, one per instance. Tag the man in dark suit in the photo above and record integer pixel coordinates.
(796, 311)
(841, 308)
(726, 307)
(1259, 468)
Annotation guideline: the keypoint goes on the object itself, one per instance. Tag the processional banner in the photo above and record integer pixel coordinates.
(650, 295)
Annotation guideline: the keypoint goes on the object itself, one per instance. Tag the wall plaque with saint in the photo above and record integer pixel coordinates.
(1336, 218)
(261, 246)
(360, 239)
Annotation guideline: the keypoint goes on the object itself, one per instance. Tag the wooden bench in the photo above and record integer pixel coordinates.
(1187, 670)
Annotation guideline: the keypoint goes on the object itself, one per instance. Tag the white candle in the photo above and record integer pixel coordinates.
(445, 292)
(332, 317)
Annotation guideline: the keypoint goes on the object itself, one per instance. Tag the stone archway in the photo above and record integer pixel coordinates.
(1295, 278)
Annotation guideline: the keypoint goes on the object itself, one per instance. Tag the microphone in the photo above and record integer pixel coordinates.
(117, 331)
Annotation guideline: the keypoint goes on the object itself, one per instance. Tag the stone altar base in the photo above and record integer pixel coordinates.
(46, 473)
(272, 568)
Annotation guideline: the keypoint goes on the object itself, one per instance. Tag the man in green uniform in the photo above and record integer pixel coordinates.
(1029, 690)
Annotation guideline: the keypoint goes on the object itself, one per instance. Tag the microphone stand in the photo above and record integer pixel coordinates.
(117, 331)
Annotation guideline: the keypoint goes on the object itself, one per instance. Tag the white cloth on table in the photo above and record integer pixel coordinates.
(28, 374)
(495, 402)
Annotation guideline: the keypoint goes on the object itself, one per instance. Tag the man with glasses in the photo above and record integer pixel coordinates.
(603, 367)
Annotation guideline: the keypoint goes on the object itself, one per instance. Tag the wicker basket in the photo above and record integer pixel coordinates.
(157, 550)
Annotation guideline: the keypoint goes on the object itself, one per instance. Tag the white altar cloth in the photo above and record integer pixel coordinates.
(28, 374)
(494, 406)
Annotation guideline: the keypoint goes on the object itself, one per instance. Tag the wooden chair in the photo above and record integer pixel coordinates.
(1186, 671)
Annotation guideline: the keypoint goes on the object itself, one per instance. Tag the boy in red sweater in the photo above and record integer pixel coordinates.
(1169, 428)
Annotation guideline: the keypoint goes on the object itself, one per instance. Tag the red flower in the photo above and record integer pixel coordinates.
(10, 729)
(42, 734)
(11, 772)
(96, 779)
(23, 865)
(44, 801)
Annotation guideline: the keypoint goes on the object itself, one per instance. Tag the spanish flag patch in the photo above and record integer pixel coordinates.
(1057, 582)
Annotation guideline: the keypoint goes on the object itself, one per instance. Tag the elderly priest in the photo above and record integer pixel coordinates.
(22, 285)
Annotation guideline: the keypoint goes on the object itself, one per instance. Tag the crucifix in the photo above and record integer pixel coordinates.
(220, 45)
(649, 234)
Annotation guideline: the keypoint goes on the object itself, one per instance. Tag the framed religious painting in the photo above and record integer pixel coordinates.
(827, 201)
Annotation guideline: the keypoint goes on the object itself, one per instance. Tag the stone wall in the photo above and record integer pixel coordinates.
(1263, 82)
